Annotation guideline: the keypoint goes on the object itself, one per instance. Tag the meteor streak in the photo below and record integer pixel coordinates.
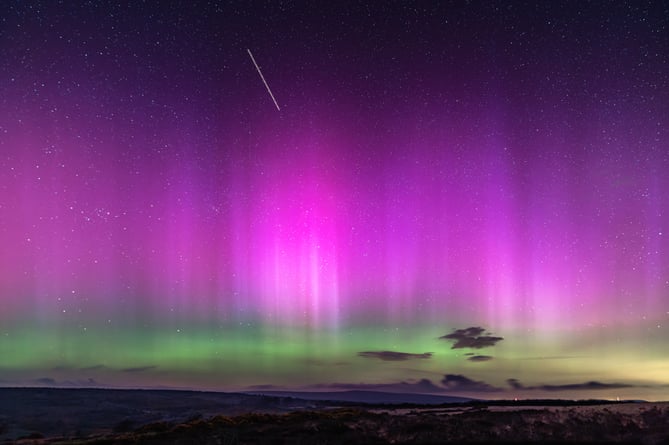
(263, 79)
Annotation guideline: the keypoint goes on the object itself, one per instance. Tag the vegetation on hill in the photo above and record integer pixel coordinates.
(415, 426)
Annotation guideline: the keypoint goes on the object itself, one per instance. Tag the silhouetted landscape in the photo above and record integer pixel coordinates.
(380, 222)
(101, 416)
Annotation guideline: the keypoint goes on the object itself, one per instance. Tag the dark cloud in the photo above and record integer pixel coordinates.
(263, 387)
(515, 384)
(480, 358)
(587, 386)
(473, 337)
(457, 383)
(392, 356)
(420, 386)
(49, 381)
(424, 385)
(45, 381)
(139, 369)
(452, 383)
(80, 383)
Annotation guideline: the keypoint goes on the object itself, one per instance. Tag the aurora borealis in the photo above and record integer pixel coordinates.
(433, 168)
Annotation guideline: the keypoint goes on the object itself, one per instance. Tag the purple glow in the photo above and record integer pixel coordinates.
(437, 165)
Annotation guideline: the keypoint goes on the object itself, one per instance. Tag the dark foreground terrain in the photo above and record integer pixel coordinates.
(252, 419)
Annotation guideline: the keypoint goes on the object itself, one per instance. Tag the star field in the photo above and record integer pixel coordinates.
(432, 167)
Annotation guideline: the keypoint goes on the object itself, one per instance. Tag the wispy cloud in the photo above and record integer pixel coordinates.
(392, 356)
(420, 386)
(266, 387)
(480, 358)
(45, 381)
(460, 383)
(450, 384)
(586, 386)
(50, 381)
(138, 369)
(515, 384)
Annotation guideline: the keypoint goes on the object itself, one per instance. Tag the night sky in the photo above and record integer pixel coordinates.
(469, 198)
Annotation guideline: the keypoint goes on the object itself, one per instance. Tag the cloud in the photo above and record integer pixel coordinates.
(266, 387)
(45, 381)
(587, 386)
(50, 381)
(458, 382)
(473, 337)
(91, 381)
(81, 382)
(420, 386)
(515, 384)
(450, 384)
(392, 356)
(139, 369)
(480, 358)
